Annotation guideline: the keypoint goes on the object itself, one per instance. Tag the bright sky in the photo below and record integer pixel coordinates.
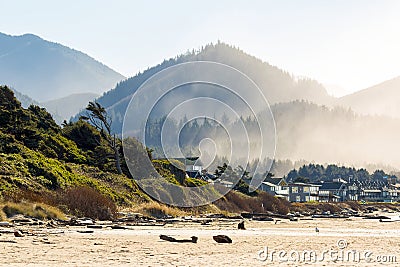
(348, 45)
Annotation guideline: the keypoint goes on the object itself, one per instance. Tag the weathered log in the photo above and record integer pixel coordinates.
(222, 239)
(172, 239)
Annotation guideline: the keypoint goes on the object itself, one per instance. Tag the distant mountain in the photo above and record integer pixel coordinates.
(25, 100)
(45, 70)
(308, 125)
(278, 85)
(64, 108)
(381, 99)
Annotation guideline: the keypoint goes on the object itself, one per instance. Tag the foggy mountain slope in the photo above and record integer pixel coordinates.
(311, 130)
(277, 85)
(335, 135)
(25, 100)
(381, 99)
(66, 107)
(45, 70)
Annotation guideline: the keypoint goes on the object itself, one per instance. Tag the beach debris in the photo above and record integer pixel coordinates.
(5, 224)
(146, 224)
(8, 241)
(95, 226)
(263, 218)
(193, 239)
(47, 242)
(85, 231)
(135, 218)
(18, 233)
(241, 226)
(222, 239)
(328, 215)
(379, 217)
(389, 220)
(80, 222)
(266, 216)
(116, 226)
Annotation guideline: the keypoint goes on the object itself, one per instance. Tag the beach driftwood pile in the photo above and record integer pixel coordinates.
(193, 239)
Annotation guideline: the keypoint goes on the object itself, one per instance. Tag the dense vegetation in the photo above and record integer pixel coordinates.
(318, 173)
(70, 167)
(40, 157)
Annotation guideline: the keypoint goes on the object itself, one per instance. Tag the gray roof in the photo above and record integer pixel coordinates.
(273, 180)
(331, 186)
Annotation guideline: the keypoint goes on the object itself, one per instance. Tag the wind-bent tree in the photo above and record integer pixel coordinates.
(98, 117)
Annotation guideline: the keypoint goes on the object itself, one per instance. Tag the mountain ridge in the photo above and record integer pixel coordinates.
(35, 67)
(379, 99)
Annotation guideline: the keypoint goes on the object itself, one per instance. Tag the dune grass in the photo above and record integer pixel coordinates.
(35, 210)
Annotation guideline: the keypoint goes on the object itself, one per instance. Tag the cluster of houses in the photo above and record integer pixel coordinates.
(337, 190)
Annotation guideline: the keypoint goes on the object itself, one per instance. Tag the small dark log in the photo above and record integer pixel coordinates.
(241, 226)
(222, 239)
(171, 239)
(18, 233)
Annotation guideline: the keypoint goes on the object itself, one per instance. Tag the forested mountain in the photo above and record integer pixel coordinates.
(305, 132)
(308, 125)
(381, 99)
(278, 85)
(45, 70)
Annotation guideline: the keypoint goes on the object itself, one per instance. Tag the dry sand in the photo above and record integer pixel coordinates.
(141, 246)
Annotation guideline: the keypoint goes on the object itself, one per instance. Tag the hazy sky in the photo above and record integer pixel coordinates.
(347, 44)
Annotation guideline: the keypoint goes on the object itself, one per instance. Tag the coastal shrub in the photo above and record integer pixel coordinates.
(274, 204)
(87, 202)
(3, 216)
(354, 205)
(22, 195)
(157, 210)
(35, 210)
(239, 202)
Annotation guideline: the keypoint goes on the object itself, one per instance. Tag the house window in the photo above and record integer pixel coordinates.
(295, 189)
(313, 189)
(306, 189)
(298, 199)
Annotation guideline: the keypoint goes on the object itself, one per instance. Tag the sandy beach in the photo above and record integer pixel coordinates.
(141, 245)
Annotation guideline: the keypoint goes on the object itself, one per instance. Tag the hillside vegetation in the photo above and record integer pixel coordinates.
(70, 168)
(39, 157)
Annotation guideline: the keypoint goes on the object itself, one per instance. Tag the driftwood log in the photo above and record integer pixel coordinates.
(222, 239)
(172, 239)
(18, 233)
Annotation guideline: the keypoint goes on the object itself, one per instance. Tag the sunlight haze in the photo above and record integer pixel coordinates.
(350, 44)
